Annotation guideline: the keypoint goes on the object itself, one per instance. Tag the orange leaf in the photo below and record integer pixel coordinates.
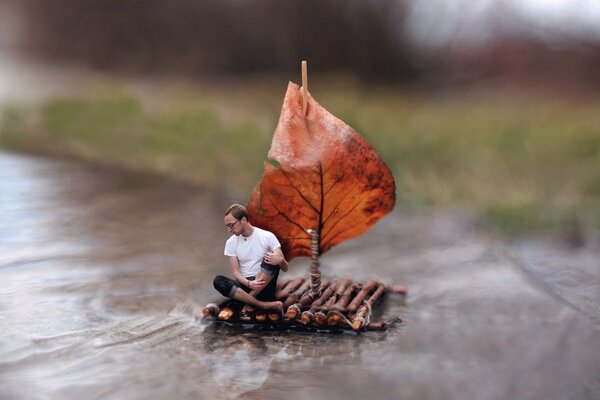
(321, 175)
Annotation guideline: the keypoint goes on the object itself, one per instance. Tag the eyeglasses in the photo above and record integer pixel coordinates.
(230, 226)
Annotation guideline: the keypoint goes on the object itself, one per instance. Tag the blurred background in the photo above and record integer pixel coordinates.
(127, 126)
(487, 104)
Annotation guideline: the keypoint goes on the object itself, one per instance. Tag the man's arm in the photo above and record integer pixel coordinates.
(275, 257)
(263, 280)
(258, 283)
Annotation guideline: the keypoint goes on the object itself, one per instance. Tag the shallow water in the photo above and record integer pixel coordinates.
(101, 272)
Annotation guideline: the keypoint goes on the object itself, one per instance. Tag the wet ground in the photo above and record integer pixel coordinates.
(101, 271)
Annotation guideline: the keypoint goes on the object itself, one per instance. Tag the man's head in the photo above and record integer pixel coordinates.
(236, 217)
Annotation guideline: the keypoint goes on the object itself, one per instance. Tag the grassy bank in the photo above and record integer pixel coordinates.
(526, 163)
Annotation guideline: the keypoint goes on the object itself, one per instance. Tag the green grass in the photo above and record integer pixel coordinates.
(527, 163)
(192, 142)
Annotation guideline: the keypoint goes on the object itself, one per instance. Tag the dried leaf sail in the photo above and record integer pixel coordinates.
(320, 175)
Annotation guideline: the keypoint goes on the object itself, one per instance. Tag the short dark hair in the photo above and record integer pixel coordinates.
(237, 210)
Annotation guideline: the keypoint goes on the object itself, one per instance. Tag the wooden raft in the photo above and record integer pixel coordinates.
(342, 304)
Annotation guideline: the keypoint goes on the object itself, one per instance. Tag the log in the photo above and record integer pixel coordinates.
(274, 315)
(377, 294)
(212, 309)
(335, 317)
(246, 313)
(308, 300)
(209, 311)
(329, 303)
(358, 324)
(377, 326)
(320, 318)
(306, 317)
(293, 312)
(399, 289)
(345, 305)
(290, 287)
(345, 298)
(281, 285)
(362, 317)
(260, 315)
(326, 294)
(297, 294)
(360, 297)
(343, 286)
(225, 314)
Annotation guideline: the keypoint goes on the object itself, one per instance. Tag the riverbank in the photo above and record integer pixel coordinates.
(524, 162)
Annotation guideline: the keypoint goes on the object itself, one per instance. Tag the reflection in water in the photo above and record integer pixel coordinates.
(239, 363)
(243, 360)
(101, 271)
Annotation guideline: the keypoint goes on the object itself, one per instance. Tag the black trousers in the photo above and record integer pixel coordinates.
(227, 286)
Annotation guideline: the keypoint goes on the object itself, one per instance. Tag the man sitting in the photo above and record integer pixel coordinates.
(255, 257)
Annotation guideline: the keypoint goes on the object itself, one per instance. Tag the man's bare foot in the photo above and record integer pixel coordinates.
(273, 305)
(247, 308)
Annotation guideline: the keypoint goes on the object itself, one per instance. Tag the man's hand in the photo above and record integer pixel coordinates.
(274, 257)
(257, 283)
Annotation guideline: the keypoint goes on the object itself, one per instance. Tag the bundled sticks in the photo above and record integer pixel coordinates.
(333, 305)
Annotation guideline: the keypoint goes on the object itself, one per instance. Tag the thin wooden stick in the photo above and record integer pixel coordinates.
(308, 316)
(296, 295)
(260, 315)
(335, 318)
(290, 287)
(320, 318)
(247, 313)
(282, 285)
(307, 300)
(324, 296)
(274, 315)
(358, 299)
(399, 289)
(376, 295)
(345, 295)
(304, 87)
(362, 317)
(225, 314)
(212, 309)
(293, 312)
(377, 326)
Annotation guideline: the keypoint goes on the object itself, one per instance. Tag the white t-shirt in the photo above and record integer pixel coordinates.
(251, 250)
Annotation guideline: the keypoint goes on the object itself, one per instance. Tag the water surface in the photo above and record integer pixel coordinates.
(101, 272)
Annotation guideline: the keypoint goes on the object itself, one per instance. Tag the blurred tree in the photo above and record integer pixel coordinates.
(371, 39)
(227, 36)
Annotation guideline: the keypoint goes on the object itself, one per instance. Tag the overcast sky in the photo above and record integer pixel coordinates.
(434, 23)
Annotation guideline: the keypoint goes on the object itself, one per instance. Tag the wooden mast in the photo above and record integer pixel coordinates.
(304, 87)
